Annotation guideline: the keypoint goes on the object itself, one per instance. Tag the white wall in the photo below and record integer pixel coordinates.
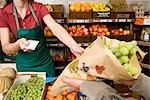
(67, 2)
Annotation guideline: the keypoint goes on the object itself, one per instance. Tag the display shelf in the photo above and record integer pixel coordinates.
(98, 20)
(145, 21)
(145, 65)
(143, 43)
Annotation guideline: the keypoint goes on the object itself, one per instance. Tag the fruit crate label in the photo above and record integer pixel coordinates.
(107, 14)
(147, 21)
(123, 15)
(122, 20)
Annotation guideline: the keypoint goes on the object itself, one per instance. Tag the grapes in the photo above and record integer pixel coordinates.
(31, 90)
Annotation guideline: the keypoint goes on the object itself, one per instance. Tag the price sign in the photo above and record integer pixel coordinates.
(80, 21)
(103, 20)
(110, 20)
(122, 20)
(95, 20)
(147, 21)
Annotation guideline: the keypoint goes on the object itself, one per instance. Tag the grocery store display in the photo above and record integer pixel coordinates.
(100, 7)
(47, 32)
(62, 96)
(30, 90)
(98, 29)
(98, 61)
(120, 31)
(78, 30)
(80, 7)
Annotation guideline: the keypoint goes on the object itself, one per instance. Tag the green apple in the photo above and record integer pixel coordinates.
(114, 49)
(117, 54)
(133, 51)
(133, 70)
(130, 46)
(124, 51)
(127, 66)
(122, 44)
(124, 59)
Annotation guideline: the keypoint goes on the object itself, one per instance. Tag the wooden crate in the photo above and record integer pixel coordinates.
(80, 15)
(58, 11)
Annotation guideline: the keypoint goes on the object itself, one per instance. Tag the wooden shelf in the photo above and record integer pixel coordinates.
(98, 20)
(143, 43)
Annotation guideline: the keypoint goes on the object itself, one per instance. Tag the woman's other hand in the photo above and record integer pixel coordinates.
(76, 50)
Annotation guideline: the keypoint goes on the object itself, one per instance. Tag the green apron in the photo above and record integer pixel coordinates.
(38, 60)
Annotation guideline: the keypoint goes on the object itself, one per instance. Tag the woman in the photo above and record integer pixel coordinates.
(24, 18)
(101, 91)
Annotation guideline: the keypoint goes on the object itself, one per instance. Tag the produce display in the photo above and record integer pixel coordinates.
(98, 29)
(78, 30)
(124, 51)
(100, 7)
(7, 75)
(62, 96)
(30, 90)
(80, 7)
(47, 32)
(120, 32)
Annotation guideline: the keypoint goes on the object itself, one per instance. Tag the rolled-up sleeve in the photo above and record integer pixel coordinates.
(43, 10)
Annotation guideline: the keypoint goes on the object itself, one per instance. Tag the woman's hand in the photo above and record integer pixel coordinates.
(76, 49)
(23, 43)
(74, 84)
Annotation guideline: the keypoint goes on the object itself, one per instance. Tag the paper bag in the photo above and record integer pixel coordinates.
(97, 62)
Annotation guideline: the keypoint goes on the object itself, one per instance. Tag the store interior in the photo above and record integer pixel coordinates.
(122, 20)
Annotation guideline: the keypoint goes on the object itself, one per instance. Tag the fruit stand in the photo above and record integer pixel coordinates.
(84, 21)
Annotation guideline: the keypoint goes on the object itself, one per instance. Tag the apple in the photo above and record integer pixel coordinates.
(133, 51)
(124, 59)
(105, 29)
(127, 66)
(117, 54)
(133, 70)
(129, 46)
(122, 44)
(124, 51)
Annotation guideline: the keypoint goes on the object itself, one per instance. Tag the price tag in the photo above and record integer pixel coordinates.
(122, 20)
(109, 20)
(103, 20)
(129, 20)
(95, 20)
(86, 21)
(147, 21)
(116, 20)
(80, 21)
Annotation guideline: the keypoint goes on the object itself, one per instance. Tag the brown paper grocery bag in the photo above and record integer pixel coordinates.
(97, 61)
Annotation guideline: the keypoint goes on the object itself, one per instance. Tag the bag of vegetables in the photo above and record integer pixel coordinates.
(104, 58)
